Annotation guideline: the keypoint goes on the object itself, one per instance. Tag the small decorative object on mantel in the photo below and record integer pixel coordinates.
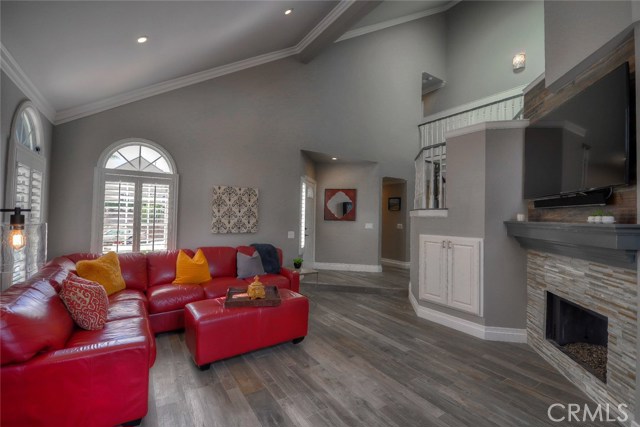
(256, 289)
(234, 210)
(601, 217)
(297, 262)
(339, 204)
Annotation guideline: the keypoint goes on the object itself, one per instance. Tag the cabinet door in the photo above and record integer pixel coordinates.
(433, 269)
(464, 286)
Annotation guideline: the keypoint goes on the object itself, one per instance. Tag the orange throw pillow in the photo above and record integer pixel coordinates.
(104, 270)
(191, 270)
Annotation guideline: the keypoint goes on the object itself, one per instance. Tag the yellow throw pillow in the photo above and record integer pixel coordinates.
(104, 270)
(191, 270)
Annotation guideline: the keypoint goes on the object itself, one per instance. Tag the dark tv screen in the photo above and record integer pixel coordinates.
(583, 144)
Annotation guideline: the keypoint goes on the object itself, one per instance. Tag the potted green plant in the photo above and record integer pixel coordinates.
(297, 262)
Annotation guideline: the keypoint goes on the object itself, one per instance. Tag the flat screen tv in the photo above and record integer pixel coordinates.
(583, 144)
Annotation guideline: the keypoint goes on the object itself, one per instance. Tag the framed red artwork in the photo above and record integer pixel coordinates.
(340, 204)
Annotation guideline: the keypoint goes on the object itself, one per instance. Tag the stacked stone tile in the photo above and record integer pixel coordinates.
(607, 290)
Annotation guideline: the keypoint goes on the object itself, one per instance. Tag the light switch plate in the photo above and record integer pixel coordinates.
(291, 235)
(399, 226)
(368, 226)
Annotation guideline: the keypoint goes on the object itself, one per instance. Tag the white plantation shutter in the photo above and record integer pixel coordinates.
(29, 192)
(23, 181)
(303, 210)
(118, 220)
(154, 218)
(28, 195)
(35, 216)
(134, 209)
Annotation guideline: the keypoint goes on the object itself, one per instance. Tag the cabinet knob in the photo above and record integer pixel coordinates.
(449, 244)
(444, 244)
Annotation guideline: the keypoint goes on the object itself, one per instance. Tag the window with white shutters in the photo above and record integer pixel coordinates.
(135, 208)
(25, 188)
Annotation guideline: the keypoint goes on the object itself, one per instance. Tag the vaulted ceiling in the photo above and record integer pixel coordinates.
(82, 56)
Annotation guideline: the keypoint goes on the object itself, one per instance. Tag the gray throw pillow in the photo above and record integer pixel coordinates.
(249, 266)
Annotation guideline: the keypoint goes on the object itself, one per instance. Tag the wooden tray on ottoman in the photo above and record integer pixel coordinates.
(271, 299)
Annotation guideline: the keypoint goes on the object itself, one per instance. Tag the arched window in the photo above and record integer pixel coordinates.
(26, 163)
(25, 187)
(136, 198)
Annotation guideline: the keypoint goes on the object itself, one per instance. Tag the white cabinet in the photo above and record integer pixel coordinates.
(450, 272)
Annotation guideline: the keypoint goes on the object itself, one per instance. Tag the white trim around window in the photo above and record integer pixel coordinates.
(33, 158)
(136, 180)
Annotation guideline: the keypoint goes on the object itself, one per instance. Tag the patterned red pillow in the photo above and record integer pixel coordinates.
(86, 301)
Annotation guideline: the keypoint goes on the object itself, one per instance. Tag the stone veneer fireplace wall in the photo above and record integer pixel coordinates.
(610, 291)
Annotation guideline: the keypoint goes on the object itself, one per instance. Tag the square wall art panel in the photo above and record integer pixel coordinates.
(340, 204)
(234, 209)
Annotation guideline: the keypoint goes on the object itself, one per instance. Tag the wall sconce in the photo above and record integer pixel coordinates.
(519, 61)
(17, 239)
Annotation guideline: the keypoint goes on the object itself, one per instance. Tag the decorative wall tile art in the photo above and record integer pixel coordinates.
(339, 204)
(234, 209)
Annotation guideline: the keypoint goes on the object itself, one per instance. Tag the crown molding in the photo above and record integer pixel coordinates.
(17, 75)
(331, 17)
(75, 113)
(396, 21)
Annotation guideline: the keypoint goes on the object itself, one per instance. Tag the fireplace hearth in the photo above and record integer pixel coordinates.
(578, 332)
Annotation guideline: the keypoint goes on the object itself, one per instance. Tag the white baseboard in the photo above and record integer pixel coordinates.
(347, 267)
(489, 333)
(395, 263)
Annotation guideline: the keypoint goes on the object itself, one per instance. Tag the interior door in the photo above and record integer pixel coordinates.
(309, 249)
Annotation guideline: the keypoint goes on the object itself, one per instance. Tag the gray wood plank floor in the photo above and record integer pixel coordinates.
(367, 361)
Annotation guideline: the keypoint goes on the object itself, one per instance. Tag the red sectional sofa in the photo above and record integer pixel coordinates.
(54, 373)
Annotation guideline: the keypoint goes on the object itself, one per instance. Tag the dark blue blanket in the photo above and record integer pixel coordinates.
(269, 255)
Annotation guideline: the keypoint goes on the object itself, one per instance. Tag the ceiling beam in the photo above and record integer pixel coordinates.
(356, 10)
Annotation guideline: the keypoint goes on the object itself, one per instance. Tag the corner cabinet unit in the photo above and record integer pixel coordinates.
(451, 272)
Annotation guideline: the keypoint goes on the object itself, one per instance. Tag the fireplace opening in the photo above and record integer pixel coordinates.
(579, 333)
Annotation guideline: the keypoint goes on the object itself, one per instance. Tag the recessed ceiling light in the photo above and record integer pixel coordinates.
(288, 11)
(334, 158)
(143, 39)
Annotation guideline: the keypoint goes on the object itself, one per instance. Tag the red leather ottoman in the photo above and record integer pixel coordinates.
(213, 332)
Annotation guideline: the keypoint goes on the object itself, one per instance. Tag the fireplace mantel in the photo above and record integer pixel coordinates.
(611, 244)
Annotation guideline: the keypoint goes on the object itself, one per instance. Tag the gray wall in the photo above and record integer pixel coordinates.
(394, 240)
(308, 166)
(358, 99)
(482, 38)
(505, 292)
(484, 176)
(348, 242)
(574, 30)
(11, 98)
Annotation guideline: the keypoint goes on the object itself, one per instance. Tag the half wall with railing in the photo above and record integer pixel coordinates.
(431, 161)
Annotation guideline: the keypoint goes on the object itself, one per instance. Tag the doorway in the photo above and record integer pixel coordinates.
(394, 242)
(308, 221)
